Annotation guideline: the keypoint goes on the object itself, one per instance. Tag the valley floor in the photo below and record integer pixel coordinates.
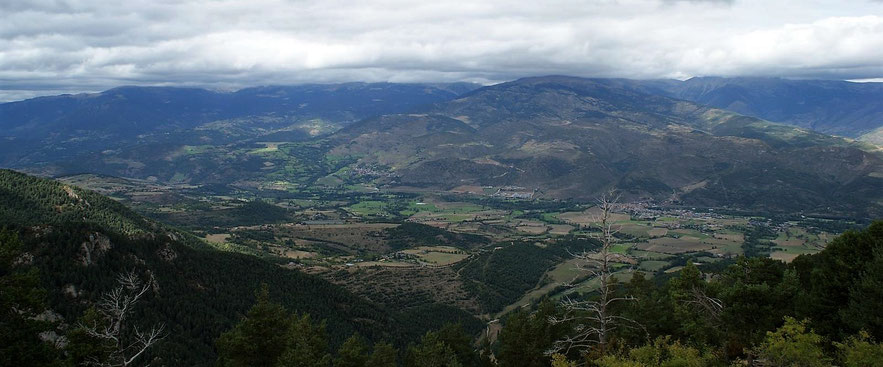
(409, 249)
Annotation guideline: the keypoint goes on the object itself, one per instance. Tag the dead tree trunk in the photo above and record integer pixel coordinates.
(124, 346)
(594, 321)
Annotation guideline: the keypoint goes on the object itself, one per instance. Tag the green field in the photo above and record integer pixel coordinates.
(438, 255)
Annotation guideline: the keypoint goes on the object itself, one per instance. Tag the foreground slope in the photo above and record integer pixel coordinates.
(80, 241)
(573, 138)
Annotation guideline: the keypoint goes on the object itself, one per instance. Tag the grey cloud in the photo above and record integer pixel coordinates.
(86, 45)
(36, 5)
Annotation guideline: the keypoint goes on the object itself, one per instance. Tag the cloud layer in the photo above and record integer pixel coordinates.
(53, 46)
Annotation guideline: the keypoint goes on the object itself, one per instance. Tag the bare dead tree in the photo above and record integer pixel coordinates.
(695, 297)
(710, 307)
(115, 307)
(593, 318)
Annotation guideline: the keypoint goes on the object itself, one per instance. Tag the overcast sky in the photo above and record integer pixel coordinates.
(67, 46)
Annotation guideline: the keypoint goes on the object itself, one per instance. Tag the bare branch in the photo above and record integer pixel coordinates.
(593, 319)
(708, 305)
(114, 307)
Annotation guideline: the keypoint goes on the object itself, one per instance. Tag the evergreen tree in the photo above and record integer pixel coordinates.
(83, 348)
(757, 294)
(651, 309)
(21, 300)
(431, 352)
(526, 337)
(832, 280)
(260, 338)
(353, 353)
(697, 310)
(384, 355)
(863, 312)
(453, 335)
(306, 344)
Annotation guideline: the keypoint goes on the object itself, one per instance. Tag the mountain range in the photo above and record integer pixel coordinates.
(832, 107)
(47, 129)
(557, 137)
(575, 138)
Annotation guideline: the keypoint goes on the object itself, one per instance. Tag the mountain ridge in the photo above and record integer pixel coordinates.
(829, 106)
(575, 137)
(561, 137)
(47, 129)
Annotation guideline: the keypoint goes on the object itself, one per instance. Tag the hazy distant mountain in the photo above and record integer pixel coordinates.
(47, 128)
(572, 138)
(833, 107)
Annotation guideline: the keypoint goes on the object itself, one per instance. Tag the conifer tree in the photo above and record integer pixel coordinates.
(260, 338)
(353, 353)
(431, 352)
(306, 344)
(21, 300)
(383, 355)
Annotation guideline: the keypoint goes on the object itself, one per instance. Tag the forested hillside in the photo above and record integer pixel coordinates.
(76, 243)
(820, 310)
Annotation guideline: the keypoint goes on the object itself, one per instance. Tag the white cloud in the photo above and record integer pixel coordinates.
(48, 46)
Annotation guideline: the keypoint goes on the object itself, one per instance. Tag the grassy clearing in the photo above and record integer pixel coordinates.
(178, 177)
(369, 208)
(550, 217)
(635, 229)
(653, 265)
(623, 276)
(590, 217)
(621, 248)
(670, 245)
(562, 273)
(691, 233)
(560, 229)
(783, 256)
(195, 149)
(438, 255)
(294, 254)
(217, 237)
(650, 255)
(269, 147)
